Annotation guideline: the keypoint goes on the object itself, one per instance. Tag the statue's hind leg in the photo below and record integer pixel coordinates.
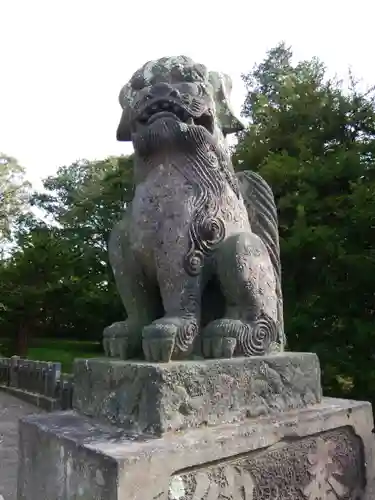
(248, 283)
(140, 297)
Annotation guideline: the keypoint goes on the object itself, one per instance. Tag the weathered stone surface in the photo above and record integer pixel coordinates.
(326, 466)
(11, 409)
(39, 400)
(155, 398)
(195, 233)
(318, 452)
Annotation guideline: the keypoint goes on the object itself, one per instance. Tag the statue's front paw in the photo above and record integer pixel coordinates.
(120, 340)
(158, 341)
(224, 338)
(168, 337)
(219, 338)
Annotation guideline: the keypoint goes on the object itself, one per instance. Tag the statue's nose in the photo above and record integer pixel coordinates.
(163, 90)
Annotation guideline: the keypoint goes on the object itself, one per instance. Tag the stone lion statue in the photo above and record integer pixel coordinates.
(196, 255)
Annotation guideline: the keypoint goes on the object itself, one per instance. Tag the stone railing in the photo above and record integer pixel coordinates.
(37, 382)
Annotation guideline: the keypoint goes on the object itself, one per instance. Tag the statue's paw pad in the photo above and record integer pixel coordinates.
(218, 347)
(116, 347)
(169, 336)
(158, 350)
(219, 339)
(122, 339)
(159, 340)
(106, 346)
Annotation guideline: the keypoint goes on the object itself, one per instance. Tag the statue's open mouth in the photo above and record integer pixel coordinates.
(169, 109)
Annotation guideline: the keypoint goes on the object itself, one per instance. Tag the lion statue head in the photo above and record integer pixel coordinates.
(173, 103)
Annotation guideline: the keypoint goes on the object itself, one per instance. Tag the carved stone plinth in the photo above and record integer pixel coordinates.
(325, 452)
(154, 398)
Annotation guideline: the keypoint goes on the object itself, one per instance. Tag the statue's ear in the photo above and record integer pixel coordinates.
(123, 130)
(222, 85)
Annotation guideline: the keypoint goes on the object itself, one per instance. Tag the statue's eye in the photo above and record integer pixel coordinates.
(140, 97)
(138, 82)
(185, 88)
(193, 89)
(201, 89)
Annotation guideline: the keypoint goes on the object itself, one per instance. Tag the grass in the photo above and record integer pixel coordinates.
(65, 357)
(63, 351)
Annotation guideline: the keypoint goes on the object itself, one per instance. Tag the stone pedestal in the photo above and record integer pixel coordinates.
(155, 398)
(254, 428)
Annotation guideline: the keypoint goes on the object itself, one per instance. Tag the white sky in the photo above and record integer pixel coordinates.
(64, 62)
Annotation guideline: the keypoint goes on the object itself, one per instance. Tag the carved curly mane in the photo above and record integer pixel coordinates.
(210, 171)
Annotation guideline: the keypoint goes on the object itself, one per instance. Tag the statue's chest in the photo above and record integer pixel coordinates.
(169, 201)
(164, 199)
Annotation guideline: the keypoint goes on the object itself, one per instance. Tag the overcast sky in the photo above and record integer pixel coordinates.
(64, 62)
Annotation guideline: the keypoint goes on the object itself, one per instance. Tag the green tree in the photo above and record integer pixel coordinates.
(87, 198)
(57, 282)
(314, 141)
(14, 194)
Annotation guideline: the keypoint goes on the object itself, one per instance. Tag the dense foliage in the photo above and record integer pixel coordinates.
(14, 194)
(313, 140)
(57, 281)
(315, 144)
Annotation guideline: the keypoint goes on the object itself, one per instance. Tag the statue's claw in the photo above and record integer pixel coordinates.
(158, 350)
(120, 340)
(106, 346)
(227, 337)
(158, 341)
(218, 340)
(117, 347)
(218, 347)
(167, 337)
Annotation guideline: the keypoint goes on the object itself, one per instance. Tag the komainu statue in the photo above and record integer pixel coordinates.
(196, 256)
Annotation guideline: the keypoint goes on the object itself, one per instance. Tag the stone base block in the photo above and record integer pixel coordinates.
(39, 400)
(325, 452)
(156, 398)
